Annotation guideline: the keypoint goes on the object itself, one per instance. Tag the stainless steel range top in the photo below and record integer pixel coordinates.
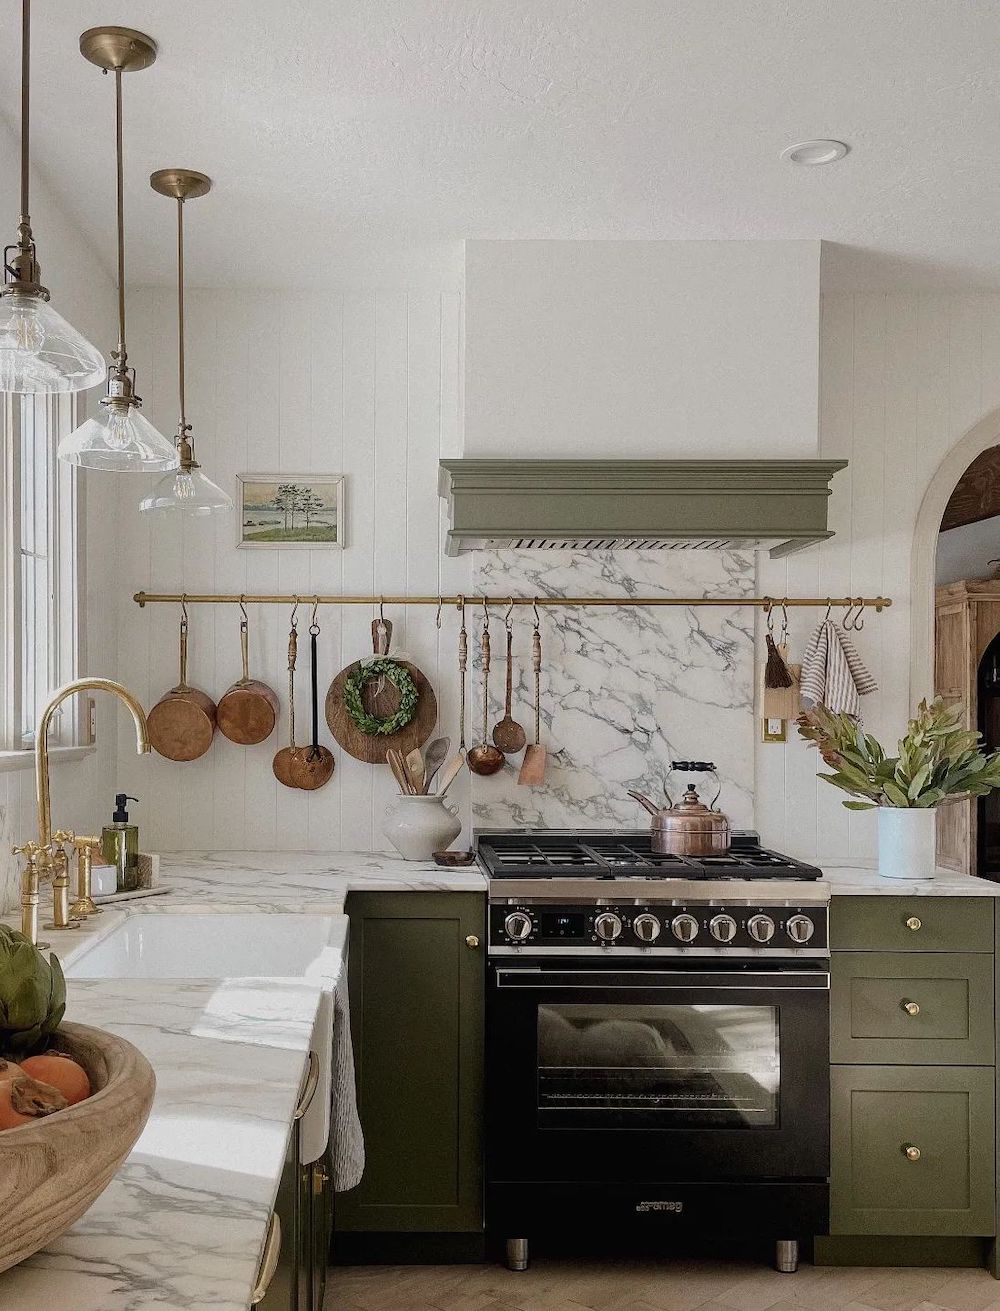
(553, 892)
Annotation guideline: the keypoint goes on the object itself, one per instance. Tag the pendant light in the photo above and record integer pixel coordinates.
(120, 439)
(187, 491)
(39, 351)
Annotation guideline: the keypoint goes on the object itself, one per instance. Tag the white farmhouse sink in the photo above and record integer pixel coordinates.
(210, 947)
(165, 946)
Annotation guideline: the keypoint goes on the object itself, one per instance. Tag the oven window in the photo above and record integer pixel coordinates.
(672, 1067)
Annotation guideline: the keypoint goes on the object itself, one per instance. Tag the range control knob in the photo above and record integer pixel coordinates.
(800, 928)
(647, 927)
(518, 925)
(760, 928)
(684, 928)
(608, 926)
(723, 928)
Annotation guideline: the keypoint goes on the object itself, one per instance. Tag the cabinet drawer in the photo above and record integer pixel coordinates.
(912, 1009)
(911, 923)
(946, 1117)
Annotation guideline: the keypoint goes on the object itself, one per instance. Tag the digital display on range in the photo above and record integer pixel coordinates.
(559, 924)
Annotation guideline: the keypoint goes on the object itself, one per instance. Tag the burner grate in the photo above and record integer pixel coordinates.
(622, 855)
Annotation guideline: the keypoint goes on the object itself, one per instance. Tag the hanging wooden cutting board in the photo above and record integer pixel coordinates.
(371, 748)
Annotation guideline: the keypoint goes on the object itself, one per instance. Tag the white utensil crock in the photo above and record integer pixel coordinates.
(906, 842)
(419, 826)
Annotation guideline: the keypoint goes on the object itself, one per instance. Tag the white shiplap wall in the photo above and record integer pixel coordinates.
(902, 377)
(370, 382)
(366, 383)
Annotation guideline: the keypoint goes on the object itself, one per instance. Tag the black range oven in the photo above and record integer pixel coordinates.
(655, 1069)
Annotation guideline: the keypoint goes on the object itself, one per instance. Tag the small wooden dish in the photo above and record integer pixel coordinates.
(51, 1171)
(454, 859)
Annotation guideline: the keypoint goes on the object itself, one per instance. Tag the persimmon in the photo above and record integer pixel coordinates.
(59, 1071)
(8, 1070)
(24, 1100)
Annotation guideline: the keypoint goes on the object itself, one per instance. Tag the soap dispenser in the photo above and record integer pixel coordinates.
(120, 846)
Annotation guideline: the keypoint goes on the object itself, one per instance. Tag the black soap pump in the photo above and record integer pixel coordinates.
(120, 846)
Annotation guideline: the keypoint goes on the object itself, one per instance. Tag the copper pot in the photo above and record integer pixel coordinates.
(182, 723)
(248, 712)
(689, 828)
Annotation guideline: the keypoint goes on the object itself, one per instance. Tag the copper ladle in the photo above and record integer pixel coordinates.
(485, 758)
(508, 734)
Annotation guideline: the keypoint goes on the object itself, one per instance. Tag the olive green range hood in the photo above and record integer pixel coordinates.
(774, 505)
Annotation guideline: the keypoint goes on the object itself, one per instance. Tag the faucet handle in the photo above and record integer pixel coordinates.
(29, 849)
(85, 842)
(62, 835)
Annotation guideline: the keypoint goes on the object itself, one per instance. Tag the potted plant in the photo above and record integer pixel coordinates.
(938, 762)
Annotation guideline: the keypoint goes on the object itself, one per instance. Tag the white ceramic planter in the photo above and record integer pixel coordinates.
(419, 826)
(906, 842)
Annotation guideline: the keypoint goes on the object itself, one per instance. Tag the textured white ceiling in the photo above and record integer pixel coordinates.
(331, 125)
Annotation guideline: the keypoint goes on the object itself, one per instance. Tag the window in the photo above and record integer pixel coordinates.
(39, 569)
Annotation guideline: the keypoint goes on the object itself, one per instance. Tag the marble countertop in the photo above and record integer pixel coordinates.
(862, 881)
(181, 1225)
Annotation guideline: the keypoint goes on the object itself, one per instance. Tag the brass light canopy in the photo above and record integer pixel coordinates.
(187, 491)
(40, 353)
(120, 439)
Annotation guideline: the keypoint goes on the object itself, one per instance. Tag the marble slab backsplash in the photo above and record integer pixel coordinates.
(624, 690)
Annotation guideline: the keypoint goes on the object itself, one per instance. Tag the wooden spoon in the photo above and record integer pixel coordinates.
(415, 769)
(485, 758)
(508, 735)
(434, 758)
(533, 765)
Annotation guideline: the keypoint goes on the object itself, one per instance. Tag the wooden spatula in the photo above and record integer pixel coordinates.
(415, 769)
(533, 765)
(449, 774)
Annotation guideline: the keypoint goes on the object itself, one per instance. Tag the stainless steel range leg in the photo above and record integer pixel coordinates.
(786, 1256)
(517, 1254)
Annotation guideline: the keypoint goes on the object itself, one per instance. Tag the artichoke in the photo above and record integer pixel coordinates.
(32, 996)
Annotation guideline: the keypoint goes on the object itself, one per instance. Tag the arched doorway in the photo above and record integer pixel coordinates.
(955, 622)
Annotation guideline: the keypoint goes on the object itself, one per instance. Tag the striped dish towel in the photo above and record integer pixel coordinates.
(833, 674)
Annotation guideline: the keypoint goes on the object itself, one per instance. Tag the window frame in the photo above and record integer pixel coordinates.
(58, 510)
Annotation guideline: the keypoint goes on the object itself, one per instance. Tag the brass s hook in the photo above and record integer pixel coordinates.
(538, 622)
(314, 620)
(184, 609)
(293, 622)
(508, 622)
(784, 621)
(243, 609)
(437, 617)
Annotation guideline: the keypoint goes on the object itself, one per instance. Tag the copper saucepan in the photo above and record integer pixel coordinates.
(182, 723)
(248, 712)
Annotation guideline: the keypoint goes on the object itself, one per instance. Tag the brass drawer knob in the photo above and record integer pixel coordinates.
(910, 1152)
(913, 923)
(911, 1007)
(472, 941)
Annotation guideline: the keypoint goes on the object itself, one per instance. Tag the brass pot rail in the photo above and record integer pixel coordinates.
(876, 603)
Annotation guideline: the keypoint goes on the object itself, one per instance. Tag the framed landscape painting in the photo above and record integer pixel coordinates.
(303, 510)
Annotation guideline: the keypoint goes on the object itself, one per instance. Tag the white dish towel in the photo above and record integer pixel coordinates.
(345, 1124)
(833, 674)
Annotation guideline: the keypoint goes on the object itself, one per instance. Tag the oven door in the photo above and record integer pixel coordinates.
(657, 1070)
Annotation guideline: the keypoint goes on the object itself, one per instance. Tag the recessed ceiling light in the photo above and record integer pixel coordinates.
(815, 152)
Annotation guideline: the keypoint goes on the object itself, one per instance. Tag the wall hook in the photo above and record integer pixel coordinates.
(508, 622)
(243, 609)
(437, 617)
(538, 622)
(293, 622)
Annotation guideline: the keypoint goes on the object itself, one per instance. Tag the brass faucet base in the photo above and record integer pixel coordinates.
(73, 924)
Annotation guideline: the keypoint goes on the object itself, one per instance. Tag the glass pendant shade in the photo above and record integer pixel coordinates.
(119, 440)
(187, 492)
(40, 352)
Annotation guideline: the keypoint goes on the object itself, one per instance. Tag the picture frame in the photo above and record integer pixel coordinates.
(290, 511)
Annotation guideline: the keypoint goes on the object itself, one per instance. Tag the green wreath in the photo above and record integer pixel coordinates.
(402, 680)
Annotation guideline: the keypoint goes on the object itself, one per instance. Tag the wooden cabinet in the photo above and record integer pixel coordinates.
(966, 620)
(913, 1079)
(912, 1150)
(417, 981)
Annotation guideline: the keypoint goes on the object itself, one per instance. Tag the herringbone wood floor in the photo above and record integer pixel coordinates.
(656, 1286)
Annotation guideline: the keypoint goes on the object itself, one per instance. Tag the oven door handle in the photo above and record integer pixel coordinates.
(540, 980)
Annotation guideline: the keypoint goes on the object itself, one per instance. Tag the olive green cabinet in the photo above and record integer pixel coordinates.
(417, 981)
(913, 1078)
(912, 1150)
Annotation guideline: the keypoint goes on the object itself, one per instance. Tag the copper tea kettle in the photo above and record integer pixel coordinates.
(689, 828)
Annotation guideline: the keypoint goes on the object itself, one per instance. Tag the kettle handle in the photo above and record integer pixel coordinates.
(698, 767)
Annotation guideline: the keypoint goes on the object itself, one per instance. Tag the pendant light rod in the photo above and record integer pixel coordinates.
(120, 179)
(180, 316)
(25, 106)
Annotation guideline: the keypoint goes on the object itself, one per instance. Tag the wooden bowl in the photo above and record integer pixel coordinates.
(454, 859)
(51, 1171)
